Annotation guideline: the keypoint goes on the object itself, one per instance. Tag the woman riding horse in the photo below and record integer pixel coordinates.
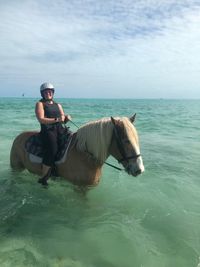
(91, 145)
(50, 115)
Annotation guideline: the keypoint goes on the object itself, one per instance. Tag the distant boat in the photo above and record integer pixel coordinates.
(23, 94)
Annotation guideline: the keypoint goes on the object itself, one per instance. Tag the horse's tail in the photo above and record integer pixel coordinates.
(15, 158)
(17, 153)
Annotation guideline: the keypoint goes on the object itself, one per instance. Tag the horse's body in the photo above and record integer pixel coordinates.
(90, 147)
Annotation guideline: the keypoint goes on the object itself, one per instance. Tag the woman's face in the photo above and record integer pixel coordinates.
(48, 94)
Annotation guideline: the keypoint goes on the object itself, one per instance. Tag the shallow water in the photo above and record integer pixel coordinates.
(148, 221)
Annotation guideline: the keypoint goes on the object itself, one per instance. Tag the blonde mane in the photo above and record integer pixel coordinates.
(95, 137)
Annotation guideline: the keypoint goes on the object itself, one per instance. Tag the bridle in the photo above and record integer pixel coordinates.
(120, 145)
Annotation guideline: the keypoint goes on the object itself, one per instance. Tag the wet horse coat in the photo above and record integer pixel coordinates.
(93, 143)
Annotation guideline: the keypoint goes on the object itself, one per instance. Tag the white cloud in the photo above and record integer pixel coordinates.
(85, 45)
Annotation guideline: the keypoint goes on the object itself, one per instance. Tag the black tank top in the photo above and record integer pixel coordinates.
(50, 111)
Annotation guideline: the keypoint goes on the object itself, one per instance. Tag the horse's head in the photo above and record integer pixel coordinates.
(125, 146)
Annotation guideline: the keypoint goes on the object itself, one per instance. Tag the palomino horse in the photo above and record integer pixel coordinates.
(91, 146)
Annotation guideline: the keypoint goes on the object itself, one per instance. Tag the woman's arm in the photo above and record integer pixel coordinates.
(63, 114)
(39, 112)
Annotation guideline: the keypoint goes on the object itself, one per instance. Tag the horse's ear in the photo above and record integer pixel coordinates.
(132, 119)
(113, 120)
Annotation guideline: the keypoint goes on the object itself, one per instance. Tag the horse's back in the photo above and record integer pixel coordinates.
(17, 152)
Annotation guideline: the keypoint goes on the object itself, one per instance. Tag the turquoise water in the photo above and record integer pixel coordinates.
(148, 221)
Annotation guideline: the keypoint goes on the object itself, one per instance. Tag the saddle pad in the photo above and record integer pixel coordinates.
(35, 149)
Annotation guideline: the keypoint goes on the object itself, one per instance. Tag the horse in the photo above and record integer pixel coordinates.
(91, 145)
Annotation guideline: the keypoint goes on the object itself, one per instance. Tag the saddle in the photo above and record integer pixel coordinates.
(35, 148)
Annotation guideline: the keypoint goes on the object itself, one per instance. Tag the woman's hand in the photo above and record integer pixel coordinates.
(67, 118)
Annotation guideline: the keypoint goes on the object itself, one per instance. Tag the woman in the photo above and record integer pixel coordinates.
(50, 115)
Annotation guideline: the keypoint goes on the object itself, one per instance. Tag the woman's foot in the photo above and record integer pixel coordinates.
(43, 180)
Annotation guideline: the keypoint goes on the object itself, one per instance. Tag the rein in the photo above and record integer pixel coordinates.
(113, 166)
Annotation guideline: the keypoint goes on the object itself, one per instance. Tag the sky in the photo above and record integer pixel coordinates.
(100, 49)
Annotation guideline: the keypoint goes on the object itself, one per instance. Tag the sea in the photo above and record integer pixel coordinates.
(152, 220)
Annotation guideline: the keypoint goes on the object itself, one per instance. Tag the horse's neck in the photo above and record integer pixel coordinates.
(94, 139)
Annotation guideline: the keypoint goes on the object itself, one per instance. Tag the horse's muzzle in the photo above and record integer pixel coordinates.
(135, 170)
(138, 172)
